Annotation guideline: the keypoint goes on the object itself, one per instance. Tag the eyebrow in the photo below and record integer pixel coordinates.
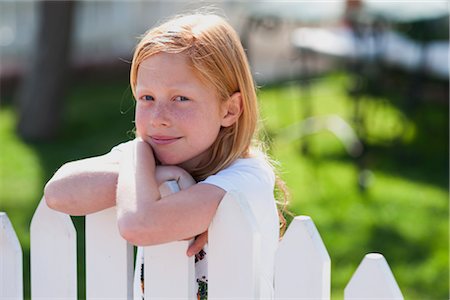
(174, 88)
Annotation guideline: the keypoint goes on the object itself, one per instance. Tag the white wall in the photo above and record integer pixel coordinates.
(104, 31)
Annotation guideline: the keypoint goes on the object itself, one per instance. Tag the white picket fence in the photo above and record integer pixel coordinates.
(302, 263)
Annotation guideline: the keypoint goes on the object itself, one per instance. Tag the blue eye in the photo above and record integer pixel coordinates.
(147, 98)
(181, 98)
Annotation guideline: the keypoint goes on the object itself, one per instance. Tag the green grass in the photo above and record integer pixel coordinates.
(97, 117)
(402, 212)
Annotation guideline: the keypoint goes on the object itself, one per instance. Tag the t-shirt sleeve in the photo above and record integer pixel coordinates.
(253, 180)
(243, 173)
(116, 151)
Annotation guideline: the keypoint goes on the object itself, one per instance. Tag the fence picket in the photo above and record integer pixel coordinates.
(373, 279)
(109, 258)
(168, 271)
(302, 263)
(233, 251)
(11, 276)
(137, 289)
(53, 254)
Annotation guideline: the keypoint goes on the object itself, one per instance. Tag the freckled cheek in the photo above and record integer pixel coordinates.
(185, 116)
(140, 120)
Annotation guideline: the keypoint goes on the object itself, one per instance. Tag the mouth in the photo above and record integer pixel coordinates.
(163, 140)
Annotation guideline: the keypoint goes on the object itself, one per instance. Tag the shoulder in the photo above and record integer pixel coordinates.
(116, 152)
(121, 147)
(252, 172)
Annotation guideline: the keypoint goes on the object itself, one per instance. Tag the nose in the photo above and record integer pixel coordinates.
(160, 115)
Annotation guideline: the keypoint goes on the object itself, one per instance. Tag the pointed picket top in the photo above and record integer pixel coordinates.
(109, 258)
(53, 255)
(11, 276)
(373, 279)
(302, 263)
(233, 238)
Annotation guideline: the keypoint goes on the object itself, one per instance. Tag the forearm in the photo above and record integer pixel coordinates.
(143, 216)
(137, 187)
(82, 187)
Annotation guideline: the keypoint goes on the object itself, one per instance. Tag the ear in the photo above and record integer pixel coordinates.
(231, 109)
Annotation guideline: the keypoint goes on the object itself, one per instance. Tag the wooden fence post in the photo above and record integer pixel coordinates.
(109, 258)
(168, 271)
(234, 243)
(373, 279)
(53, 254)
(11, 274)
(302, 263)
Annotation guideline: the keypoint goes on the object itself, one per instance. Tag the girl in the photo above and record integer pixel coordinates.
(196, 115)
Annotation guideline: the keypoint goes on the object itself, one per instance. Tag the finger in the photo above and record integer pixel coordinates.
(198, 244)
(186, 181)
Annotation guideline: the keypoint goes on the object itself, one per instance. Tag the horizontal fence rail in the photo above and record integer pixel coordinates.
(302, 263)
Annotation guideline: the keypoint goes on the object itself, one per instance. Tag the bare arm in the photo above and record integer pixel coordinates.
(144, 218)
(84, 186)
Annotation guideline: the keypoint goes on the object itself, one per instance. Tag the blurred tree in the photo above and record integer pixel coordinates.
(43, 89)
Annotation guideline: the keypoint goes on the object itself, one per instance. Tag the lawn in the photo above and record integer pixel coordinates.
(393, 199)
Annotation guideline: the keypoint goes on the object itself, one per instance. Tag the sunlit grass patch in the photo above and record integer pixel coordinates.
(392, 200)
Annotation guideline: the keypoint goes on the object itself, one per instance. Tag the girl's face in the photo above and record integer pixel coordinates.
(176, 113)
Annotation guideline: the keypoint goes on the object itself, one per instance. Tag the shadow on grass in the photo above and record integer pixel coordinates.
(424, 159)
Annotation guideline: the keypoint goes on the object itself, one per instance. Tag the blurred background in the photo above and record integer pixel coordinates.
(354, 97)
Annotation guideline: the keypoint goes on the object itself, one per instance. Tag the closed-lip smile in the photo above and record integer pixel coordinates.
(163, 140)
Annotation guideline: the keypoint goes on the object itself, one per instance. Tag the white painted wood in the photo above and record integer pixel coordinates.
(234, 243)
(373, 279)
(168, 271)
(109, 258)
(137, 289)
(53, 254)
(11, 272)
(302, 263)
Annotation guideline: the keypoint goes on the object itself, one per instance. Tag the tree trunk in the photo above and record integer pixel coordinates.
(42, 93)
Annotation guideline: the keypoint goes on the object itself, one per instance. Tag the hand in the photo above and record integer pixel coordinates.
(166, 173)
(184, 180)
(198, 244)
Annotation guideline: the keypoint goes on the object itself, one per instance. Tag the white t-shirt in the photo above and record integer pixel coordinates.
(253, 180)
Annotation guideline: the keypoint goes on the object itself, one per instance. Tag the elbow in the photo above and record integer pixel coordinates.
(132, 230)
(58, 199)
(53, 192)
(126, 230)
(50, 196)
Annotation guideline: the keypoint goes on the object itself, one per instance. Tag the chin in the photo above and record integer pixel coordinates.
(169, 161)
